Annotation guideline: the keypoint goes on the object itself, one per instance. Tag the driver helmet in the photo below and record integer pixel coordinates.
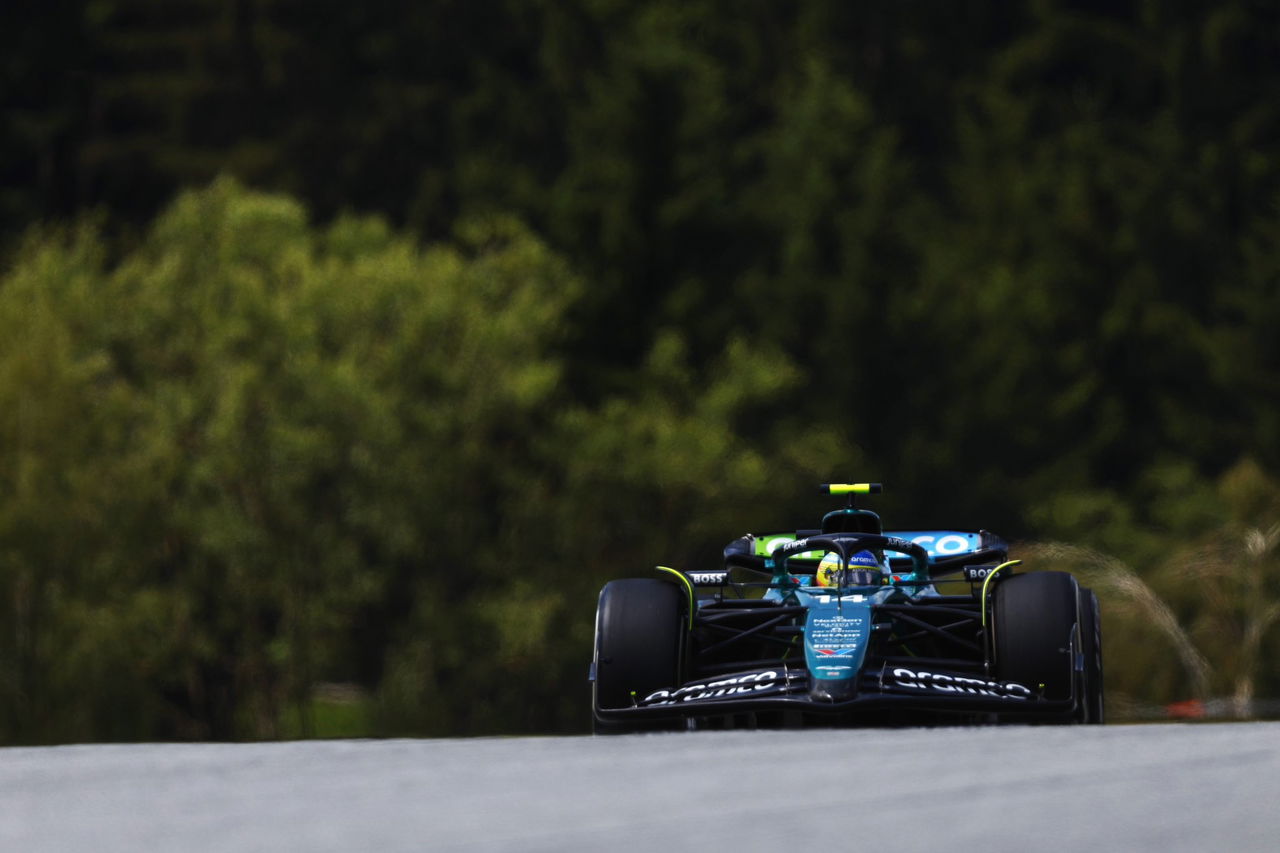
(829, 567)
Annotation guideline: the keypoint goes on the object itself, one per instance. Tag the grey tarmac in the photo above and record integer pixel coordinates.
(1176, 787)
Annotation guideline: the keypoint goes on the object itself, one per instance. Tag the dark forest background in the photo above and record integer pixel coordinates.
(346, 349)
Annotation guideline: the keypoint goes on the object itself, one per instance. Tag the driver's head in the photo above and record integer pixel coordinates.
(829, 567)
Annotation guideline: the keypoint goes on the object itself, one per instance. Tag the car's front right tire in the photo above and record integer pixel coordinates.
(639, 646)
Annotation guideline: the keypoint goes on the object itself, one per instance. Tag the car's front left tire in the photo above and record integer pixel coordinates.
(1091, 646)
(1034, 631)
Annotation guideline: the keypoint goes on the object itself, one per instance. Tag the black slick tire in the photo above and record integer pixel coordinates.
(1034, 620)
(640, 628)
(1091, 646)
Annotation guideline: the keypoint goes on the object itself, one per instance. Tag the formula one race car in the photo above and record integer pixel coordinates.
(845, 625)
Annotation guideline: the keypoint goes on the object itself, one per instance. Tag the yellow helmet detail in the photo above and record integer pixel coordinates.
(827, 570)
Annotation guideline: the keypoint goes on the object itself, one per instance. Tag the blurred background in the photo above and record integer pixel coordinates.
(346, 349)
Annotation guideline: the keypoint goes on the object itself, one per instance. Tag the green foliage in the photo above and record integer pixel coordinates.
(255, 455)
(229, 445)
(680, 259)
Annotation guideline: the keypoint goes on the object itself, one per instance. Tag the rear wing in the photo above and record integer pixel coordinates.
(949, 550)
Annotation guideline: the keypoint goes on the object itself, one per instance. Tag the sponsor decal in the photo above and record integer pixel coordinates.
(893, 543)
(709, 578)
(835, 652)
(940, 682)
(751, 684)
(797, 543)
(773, 544)
(978, 573)
(834, 668)
(940, 543)
(836, 632)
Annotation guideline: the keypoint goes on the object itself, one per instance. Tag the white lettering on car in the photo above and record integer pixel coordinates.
(943, 683)
(752, 682)
(943, 546)
(951, 545)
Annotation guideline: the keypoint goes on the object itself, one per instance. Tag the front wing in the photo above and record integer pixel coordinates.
(887, 688)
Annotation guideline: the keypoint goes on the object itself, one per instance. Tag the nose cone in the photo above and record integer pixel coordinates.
(833, 689)
(836, 635)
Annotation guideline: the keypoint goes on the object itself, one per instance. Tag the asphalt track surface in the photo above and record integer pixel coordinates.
(1187, 787)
